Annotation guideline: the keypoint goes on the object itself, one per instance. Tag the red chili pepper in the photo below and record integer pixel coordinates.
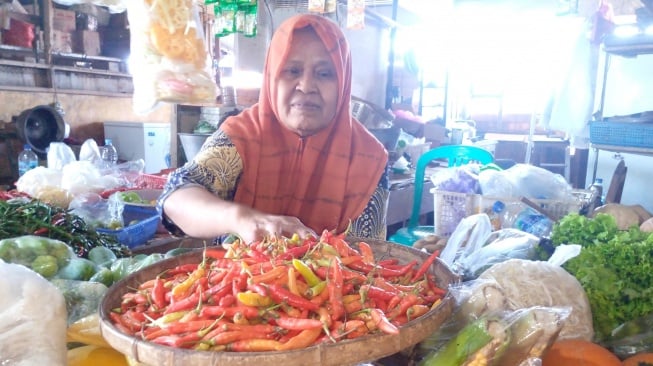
(227, 300)
(249, 312)
(366, 251)
(380, 321)
(279, 295)
(254, 345)
(297, 323)
(186, 303)
(41, 231)
(334, 285)
(237, 335)
(369, 291)
(297, 252)
(215, 253)
(159, 294)
(406, 302)
(182, 268)
(368, 268)
(425, 266)
(302, 340)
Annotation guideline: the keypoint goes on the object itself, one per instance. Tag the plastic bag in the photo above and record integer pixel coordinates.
(525, 180)
(632, 337)
(507, 338)
(42, 255)
(32, 319)
(500, 246)
(98, 212)
(529, 283)
(470, 235)
(462, 179)
(59, 155)
(168, 54)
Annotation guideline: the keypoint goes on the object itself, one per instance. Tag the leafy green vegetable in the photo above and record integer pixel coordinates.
(614, 267)
(578, 229)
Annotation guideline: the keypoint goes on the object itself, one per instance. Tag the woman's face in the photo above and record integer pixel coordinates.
(307, 85)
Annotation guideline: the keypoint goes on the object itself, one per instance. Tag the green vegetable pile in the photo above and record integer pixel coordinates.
(32, 217)
(614, 267)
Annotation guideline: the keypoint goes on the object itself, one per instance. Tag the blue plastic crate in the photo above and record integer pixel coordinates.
(139, 233)
(622, 134)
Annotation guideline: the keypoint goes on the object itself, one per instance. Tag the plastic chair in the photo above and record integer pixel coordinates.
(456, 155)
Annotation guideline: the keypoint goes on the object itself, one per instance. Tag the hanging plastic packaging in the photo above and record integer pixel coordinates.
(169, 58)
(356, 14)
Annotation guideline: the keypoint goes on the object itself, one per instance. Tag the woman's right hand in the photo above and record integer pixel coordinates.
(253, 225)
(200, 214)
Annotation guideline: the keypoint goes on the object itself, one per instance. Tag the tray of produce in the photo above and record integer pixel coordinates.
(330, 301)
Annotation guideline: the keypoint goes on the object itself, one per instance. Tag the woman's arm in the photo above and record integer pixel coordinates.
(197, 199)
(372, 222)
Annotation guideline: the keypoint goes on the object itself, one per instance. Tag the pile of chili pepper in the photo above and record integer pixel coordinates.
(23, 215)
(278, 295)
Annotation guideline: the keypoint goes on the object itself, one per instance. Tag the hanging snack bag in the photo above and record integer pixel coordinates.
(169, 60)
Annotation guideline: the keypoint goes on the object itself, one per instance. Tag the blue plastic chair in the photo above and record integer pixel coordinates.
(456, 155)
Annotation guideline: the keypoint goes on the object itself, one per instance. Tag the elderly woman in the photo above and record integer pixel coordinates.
(295, 162)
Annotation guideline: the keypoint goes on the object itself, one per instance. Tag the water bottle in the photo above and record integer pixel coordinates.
(533, 222)
(495, 214)
(27, 160)
(596, 190)
(108, 153)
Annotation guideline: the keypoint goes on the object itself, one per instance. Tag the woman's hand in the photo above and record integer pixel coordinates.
(201, 214)
(253, 225)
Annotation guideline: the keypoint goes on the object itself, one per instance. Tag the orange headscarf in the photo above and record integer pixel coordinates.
(325, 179)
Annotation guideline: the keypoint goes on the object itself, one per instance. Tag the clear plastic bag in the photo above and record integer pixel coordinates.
(500, 246)
(525, 180)
(632, 337)
(98, 212)
(170, 62)
(470, 235)
(507, 338)
(528, 283)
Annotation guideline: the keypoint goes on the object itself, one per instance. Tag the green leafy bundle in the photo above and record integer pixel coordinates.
(614, 267)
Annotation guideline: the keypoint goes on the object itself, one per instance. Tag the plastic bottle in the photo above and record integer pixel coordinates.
(495, 214)
(27, 160)
(108, 153)
(533, 222)
(597, 193)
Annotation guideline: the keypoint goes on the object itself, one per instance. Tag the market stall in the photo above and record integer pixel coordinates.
(509, 293)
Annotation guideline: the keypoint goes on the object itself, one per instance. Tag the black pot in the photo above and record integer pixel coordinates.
(39, 126)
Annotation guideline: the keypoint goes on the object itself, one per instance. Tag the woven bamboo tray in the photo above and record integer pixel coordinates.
(347, 352)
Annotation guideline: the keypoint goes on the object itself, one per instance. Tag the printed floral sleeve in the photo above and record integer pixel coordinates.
(216, 167)
(372, 222)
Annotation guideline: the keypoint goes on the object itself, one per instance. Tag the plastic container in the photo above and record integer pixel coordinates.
(27, 160)
(108, 153)
(145, 224)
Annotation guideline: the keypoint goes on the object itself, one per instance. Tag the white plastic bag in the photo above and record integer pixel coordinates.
(32, 319)
(470, 235)
(59, 155)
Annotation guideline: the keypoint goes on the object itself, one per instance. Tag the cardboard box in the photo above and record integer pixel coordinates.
(61, 42)
(434, 132)
(63, 20)
(86, 42)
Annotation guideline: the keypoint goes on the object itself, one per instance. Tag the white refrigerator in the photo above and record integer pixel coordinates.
(149, 141)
